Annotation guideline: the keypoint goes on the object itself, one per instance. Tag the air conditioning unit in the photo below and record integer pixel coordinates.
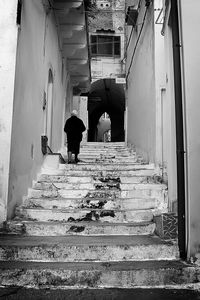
(131, 16)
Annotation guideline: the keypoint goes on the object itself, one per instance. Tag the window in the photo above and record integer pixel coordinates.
(105, 45)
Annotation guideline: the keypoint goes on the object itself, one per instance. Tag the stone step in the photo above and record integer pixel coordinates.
(95, 184)
(106, 155)
(106, 167)
(86, 248)
(99, 173)
(100, 215)
(101, 144)
(81, 275)
(158, 194)
(116, 160)
(95, 179)
(103, 203)
(35, 228)
(65, 178)
(106, 152)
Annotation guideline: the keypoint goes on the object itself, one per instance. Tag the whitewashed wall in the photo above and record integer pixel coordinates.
(190, 24)
(141, 123)
(165, 107)
(8, 45)
(38, 51)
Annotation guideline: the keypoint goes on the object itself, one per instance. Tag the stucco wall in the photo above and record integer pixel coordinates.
(141, 87)
(8, 45)
(38, 51)
(190, 23)
(169, 126)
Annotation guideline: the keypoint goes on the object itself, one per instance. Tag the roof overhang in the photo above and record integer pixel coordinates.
(71, 19)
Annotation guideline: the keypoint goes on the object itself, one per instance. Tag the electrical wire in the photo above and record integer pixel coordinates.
(134, 51)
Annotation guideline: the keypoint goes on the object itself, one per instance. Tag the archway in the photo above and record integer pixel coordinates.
(106, 96)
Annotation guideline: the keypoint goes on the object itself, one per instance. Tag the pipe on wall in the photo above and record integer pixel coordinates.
(180, 149)
(187, 208)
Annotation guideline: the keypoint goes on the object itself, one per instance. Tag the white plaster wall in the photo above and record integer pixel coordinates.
(38, 51)
(141, 88)
(159, 81)
(103, 67)
(8, 45)
(165, 108)
(190, 24)
(80, 104)
(83, 113)
(169, 126)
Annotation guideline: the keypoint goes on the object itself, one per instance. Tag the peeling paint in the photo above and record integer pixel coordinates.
(76, 228)
(96, 204)
(107, 213)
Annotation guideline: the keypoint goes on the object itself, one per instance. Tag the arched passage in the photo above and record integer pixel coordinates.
(106, 96)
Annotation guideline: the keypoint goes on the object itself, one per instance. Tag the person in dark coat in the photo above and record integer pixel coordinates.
(74, 128)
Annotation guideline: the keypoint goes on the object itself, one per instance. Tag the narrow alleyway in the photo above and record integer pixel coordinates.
(91, 225)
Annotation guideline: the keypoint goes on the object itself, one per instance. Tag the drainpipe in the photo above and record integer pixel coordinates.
(187, 212)
(180, 152)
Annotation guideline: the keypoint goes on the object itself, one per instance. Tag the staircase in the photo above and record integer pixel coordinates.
(91, 225)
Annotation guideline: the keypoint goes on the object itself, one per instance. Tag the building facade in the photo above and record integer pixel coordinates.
(162, 97)
(44, 64)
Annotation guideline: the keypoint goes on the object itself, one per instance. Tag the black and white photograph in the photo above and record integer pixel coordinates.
(99, 150)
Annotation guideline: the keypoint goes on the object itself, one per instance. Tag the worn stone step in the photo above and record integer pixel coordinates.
(72, 193)
(96, 179)
(161, 195)
(65, 178)
(103, 203)
(106, 150)
(104, 145)
(128, 173)
(108, 167)
(84, 214)
(78, 275)
(108, 154)
(35, 228)
(53, 186)
(89, 160)
(85, 248)
(95, 184)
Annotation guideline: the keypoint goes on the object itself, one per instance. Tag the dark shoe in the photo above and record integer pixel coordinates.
(77, 160)
(69, 162)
